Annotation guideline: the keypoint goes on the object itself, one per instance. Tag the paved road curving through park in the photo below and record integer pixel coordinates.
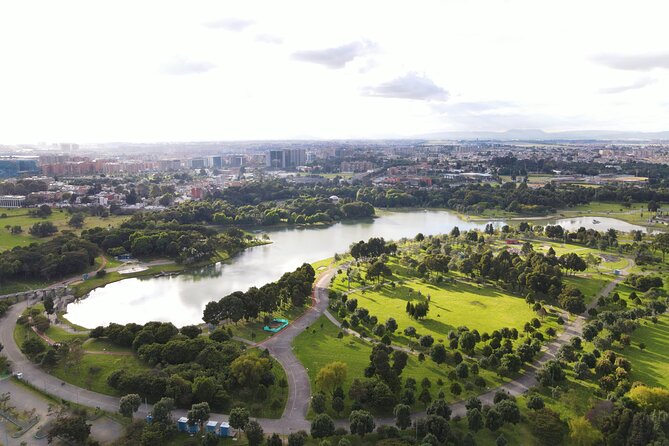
(280, 346)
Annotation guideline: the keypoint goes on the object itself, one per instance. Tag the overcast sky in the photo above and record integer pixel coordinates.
(94, 71)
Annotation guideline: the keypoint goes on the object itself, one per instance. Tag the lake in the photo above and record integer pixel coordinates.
(181, 299)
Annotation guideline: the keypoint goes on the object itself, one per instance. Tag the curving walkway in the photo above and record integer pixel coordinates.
(294, 415)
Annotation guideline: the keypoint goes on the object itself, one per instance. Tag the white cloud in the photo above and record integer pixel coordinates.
(634, 62)
(230, 24)
(409, 86)
(644, 82)
(336, 57)
(180, 66)
(78, 71)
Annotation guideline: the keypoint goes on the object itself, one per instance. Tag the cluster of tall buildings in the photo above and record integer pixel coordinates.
(285, 158)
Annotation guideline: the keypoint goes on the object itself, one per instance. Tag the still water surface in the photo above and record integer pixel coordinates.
(181, 299)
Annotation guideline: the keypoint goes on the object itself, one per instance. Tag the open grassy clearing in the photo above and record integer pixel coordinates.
(320, 345)
(59, 217)
(589, 286)
(60, 335)
(103, 345)
(92, 370)
(651, 365)
(451, 306)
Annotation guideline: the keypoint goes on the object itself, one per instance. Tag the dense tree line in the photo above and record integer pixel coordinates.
(293, 288)
(54, 259)
(188, 367)
(186, 243)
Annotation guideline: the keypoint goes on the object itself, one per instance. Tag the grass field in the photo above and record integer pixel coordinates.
(320, 345)
(589, 286)
(451, 306)
(60, 335)
(650, 365)
(59, 217)
(92, 371)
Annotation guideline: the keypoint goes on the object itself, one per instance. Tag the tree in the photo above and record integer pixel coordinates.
(551, 373)
(318, 403)
(337, 404)
(73, 429)
(239, 418)
(248, 369)
(298, 438)
(210, 439)
(650, 398)
(402, 414)
(43, 229)
(331, 376)
(162, 411)
(474, 420)
(192, 331)
(439, 407)
(661, 243)
(322, 426)
(535, 402)
(198, 413)
(77, 220)
(435, 425)
(509, 411)
(493, 420)
(129, 404)
(582, 433)
(501, 440)
(438, 353)
(361, 422)
(32, 346)
(547, 427)
(48, 304)
(254, 433)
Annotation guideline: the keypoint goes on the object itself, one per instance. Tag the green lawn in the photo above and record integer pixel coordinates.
(650, 365)
(451, 306)
(320, 345)
(60, 335)
(589, 286)
(93, 369)
(59, 217)
(103, 345)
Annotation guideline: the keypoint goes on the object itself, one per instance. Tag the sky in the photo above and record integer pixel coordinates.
(99, 71)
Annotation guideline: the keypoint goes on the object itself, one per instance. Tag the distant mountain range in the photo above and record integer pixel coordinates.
(540, 135)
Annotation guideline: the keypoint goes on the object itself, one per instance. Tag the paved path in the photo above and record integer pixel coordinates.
(294, 415)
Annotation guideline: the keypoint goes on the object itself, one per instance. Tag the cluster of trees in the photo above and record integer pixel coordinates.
(185, 243)
(64, 255)
(188, 367)
(644, 282)
(293, 288)
(532, 273)
(297, 210)
(372, 248)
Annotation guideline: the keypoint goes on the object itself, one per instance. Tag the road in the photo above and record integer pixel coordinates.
(294, 415)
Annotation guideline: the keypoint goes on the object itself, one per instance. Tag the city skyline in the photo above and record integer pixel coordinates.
(163, 71)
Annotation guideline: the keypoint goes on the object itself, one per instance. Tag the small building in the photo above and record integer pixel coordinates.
(182, 424)
(224, 429)
(211, 426)
(12, 201)
(511, 241)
